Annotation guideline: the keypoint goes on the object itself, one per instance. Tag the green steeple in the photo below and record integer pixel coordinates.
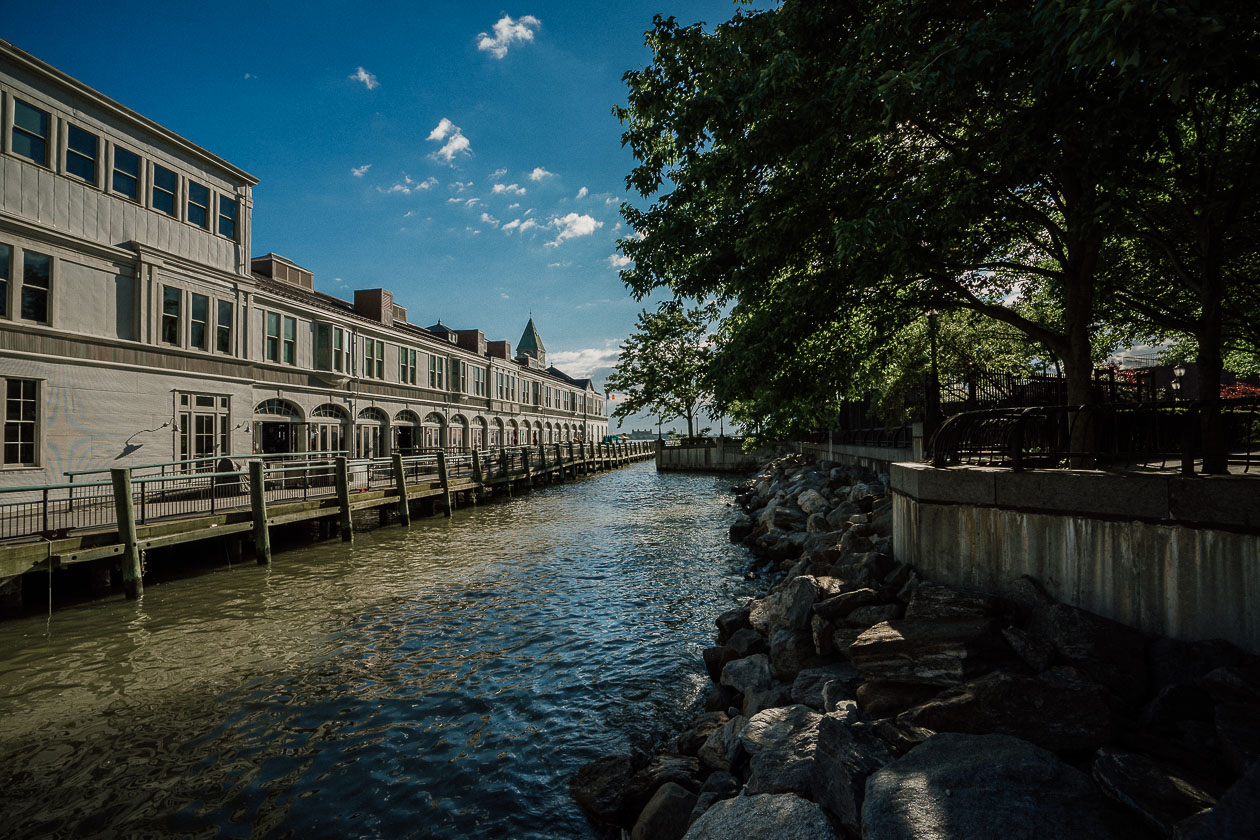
(530, 344)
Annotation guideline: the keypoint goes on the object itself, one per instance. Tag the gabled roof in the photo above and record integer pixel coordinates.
(530, 341)
(440, 329)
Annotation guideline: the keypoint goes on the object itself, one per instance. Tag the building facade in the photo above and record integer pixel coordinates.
(136, 328)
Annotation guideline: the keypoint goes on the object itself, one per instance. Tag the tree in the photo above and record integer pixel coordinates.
(662, 366)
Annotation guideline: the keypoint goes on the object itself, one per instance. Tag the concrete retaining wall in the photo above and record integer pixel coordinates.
(877, 459)
(724, 457)
(1173, 556)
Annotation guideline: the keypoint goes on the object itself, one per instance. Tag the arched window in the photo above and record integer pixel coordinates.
(457, 434)
(278, 408)
(274, 420)
(407, 432)
(434, 425)
(371, 440)
(327, 429)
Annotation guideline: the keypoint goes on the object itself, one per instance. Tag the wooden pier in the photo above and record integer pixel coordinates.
(117, 520)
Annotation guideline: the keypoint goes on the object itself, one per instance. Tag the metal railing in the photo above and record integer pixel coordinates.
(1157, 436)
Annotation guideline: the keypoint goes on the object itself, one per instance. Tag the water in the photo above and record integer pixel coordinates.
(439, 682)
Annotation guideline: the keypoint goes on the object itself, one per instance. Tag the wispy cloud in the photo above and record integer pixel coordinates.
(368, 79)
(489, 220)
(611, 200)
(582, 193)
(521, 226)
(360, 171)
(407, 186)
(506, 33)
(507, 189)
(539, 173)
(571, 226)
(498, 173)
(619, 261)
(588, 361)
(452, 139)
(473, 202)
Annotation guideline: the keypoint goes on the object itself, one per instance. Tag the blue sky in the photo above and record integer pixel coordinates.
(462, 154)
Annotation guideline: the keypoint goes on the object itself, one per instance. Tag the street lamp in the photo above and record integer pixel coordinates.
(1178, 372)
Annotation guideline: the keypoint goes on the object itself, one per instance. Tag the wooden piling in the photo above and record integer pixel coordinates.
(478, 475)
(343, 498)
(529, 474)
(258, 506)
(400, 485)
(133, 575)
(444, 477)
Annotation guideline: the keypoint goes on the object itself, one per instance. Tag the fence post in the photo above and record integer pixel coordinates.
(144, 502)
(529, 475)
(400, 485)
(446, 484)
(258, 505)
(45, 509)
(478, 475)
(133, 575)
(343, 498)
(560, 462)
(1187, 439)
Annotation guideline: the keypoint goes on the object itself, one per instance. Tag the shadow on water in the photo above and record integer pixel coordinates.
(442, 681)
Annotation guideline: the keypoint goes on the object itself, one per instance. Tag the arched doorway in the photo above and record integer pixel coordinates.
(538, 433)
(513, 433)
(407, 432)
(327, 429)
(457, 433)
(276, 424)
(478, 441)
(434, 424)
(371, 439)
(496, 433)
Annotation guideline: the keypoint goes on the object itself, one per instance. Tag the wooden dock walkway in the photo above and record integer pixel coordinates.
(50, 527)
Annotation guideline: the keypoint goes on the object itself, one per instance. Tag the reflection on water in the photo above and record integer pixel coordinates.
(442, 681)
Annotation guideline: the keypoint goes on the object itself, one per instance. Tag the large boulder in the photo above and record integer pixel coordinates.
(945, 603)
(666, 815)
(1158, 796)
(792, 651)
(717, 787)
(784, 816)
(600, 788)
(1055, 714)
(730, 622)
(780, 745)
(787, 606)
(981, 787)
(929, 652)
(1111, 653)
(837, 607)
(845, 755)
(693, 738)
(666, 767)
(751, 672)
(1236, 813)
(811, 501)
(807, 688)
(722, 750)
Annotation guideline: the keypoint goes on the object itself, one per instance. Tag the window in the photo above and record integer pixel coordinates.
(36, 282)
(271, 337)
(332, 348)
(199, 321)
(479, 381)
(165, 183)
(127, 173)
(21, 419)
(436, 365)
(461, 378)
(30, 132)
(547, 396)
(373, 358)
(223, 328)
(227, 216)
(198, 205)
(6, 260)
(290, 340)
(81, 147)
(171, 302)
(204, 428)
(407, 365)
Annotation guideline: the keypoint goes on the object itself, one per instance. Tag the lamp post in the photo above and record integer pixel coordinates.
(1178, 372)
(933, 407)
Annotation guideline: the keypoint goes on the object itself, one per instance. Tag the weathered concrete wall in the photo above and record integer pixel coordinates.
(727, 457)
(877, 459)
(1174, 556)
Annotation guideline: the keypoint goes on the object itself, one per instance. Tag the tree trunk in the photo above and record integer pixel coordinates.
(1078, 363)
(1208, 335)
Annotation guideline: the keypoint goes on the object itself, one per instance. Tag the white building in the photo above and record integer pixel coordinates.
(135, 328)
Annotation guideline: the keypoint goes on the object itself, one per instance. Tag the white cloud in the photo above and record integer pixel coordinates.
(582, 193)
(250, 76)
(505, 295)
(585, 362)
(461, 185)
(490, 220)
(498, 173)
(561, 264)
(514, 205)
(360, 171)
(506, 32)
(571, 226)
(612, 200)
(521, 226)
(619, 261)
(452, 139)
(507, 189)
(369, 80)
(473, 202)
(539, 173)
(407, 186)
(454, 200)
(409, 214)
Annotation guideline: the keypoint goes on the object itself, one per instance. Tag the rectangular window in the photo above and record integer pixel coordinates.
(271, 337)
(341, 350)
(223, 328)
(127, 173)
(81, 149)
(172, 299)
(436, 371)
(30, 132)
(227, 216)
(462, 385)
(21, 422)
(332, 348)
(165, 184)
(290, 340)
(373, 358)
(407, 365)
(198, 205)
(6, 261)
(199, 322)
(36, 283)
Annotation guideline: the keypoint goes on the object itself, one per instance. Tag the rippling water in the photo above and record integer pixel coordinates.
(442, 681)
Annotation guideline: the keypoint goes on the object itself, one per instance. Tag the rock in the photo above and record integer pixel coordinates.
(1175, 661)
(667, 767)
(816, 524)
(901, 736)
(897, 578)
(1036, 653)
(944, 603)
(867, 616)
(715, 658)
(1234, 684)
(741, 527)
(667, 814)
(1236, 813)
(780, 745)
(1054, 714)
(980, 787)
(792, 651)
(766, 698)
(1178, 701)
(693, 738)
(723, 750)
(861, 491)
(1158, 796)
(720, 698)
(600, 788)
(1238, 731)
(788, 606)
(1024, 596)
(837, 607)
(717, 787)
(747, 642)
(730, 622)
(856, 540)
(881, 698)
(784, 816)
(1111, 653)
(839, 698)
(928, 652)
(822, 632)
(843, 638)
(844, 756)
(811, 501)
(751, 672)
(840, 514)
(807, 688)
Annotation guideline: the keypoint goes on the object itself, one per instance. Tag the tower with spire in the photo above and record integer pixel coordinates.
(531, 345)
